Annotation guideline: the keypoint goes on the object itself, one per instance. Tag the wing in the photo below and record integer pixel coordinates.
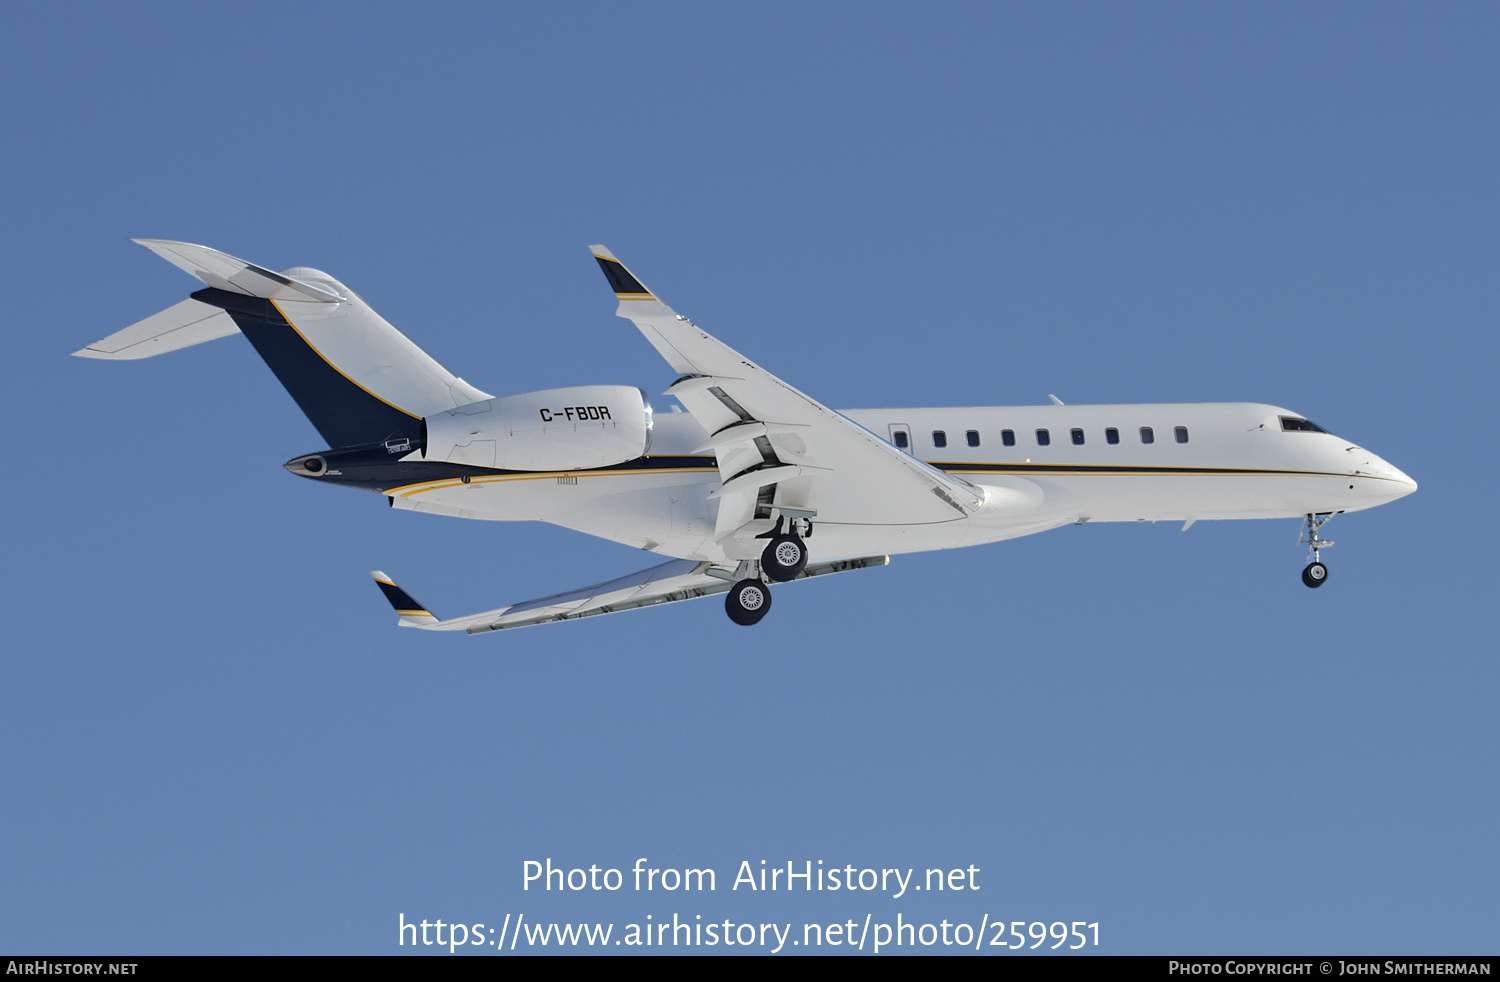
(779, 450)
(679, 579)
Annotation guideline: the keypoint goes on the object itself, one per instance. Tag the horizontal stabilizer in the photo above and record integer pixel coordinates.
(679, 579)
(412, 613)
(225, 272)
(180, 326)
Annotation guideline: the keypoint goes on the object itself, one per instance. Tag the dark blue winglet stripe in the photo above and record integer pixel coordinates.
(619, 277)
(398, 597)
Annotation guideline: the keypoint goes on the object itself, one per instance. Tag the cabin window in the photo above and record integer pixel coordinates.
(1181, 433)
(1147, 436)
(1291, 423)
(973, 437)
(1008, 437)
(1043, 438)
(939, 438)
(901, 439)
(1077, 437)
(1111, 436)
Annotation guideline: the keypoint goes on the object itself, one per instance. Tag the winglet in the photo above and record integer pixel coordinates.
(412, 613)
(626, 286)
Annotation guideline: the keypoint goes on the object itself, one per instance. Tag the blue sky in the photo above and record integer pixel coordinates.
(215, 738)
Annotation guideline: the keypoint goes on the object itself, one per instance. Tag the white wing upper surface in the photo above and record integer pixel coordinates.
(767, 434)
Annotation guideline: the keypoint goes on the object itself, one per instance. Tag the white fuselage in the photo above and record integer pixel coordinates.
(755, 478)
(1204, 461)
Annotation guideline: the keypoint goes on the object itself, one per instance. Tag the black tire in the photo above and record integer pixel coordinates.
(784, 558)
(748, 602)
(1315, 575)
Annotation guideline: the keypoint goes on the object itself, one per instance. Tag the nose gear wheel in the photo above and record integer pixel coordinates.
(1315, 574)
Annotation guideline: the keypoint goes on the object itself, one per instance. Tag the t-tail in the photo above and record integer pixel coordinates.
(358, 379)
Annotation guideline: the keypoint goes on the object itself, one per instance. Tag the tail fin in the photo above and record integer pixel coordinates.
(357, 378)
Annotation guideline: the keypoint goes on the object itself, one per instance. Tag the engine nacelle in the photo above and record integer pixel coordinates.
(553, 430)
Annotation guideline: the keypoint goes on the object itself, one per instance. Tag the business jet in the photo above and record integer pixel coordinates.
(756, 482)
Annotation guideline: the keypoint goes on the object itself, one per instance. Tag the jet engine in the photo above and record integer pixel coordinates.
(568, 429)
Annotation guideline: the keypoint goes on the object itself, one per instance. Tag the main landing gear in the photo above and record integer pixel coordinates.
(783, 559)
(748, 602)
(1316, 574)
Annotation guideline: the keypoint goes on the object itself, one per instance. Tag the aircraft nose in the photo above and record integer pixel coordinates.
(1401, 478)
(1400, 485)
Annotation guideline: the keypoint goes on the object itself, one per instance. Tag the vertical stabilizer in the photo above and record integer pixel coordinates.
(357, 378)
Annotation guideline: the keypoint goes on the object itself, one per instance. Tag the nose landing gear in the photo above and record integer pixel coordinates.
(1315, 574)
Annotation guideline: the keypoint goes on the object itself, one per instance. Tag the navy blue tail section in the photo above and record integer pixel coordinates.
(344, 412)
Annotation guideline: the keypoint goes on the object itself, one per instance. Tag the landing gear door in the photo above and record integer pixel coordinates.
(901, 436)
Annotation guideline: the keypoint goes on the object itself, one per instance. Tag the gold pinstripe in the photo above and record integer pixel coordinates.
(335, 367)
(624, 296)
(1035, 470)
(407, 490)
(1019, 470)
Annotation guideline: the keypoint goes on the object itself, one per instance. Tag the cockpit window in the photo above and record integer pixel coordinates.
(1290, 423)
